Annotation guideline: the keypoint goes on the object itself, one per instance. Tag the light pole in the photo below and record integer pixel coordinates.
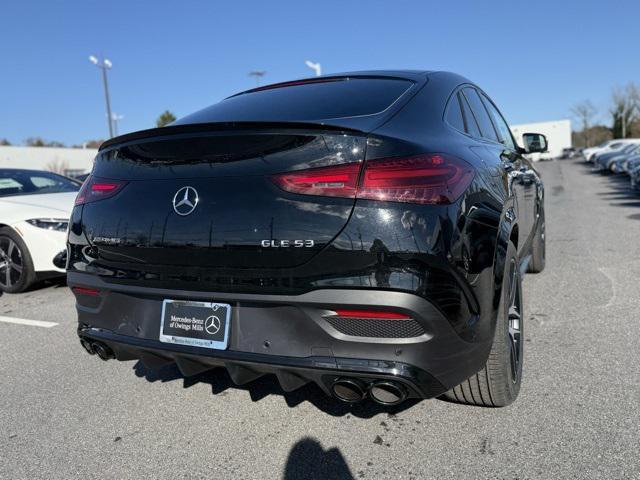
(115, 118)
(104, 65)
(316, 67)
(258, 74)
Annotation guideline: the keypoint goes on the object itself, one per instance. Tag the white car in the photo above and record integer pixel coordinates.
(606, 147)
(35, 207)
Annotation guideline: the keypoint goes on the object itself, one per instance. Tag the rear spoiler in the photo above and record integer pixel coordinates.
(171, 130)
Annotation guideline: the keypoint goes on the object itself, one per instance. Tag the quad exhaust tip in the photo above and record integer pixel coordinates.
(86, 344)
(348, 390)
(387, 393)
(383, 392)
(97, 348)
(104, 352)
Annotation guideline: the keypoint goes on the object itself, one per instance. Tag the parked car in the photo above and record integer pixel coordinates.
(630, 164)
(366, 231)
(603, 161)
(619, 164)
(569, 152)
(34, 214)
(635, 178)
(609, 146)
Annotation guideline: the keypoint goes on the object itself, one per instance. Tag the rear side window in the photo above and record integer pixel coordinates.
(454, 114)
(501, 125)
(309, 100)
(480, 114)
(469, 119)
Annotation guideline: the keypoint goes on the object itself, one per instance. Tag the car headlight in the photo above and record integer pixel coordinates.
(57, 224)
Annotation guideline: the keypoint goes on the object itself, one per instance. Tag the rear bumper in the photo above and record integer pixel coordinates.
(285, 335)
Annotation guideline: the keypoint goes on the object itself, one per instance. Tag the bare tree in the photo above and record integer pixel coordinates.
(57, 166)
(584, 112)
(40, 142)
(625, 104)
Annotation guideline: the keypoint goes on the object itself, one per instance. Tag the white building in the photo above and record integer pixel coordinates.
(67, 161)
(558, 135)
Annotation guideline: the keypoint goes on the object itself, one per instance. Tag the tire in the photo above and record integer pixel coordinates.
(16, 267)
(538, 247)
(498, 383)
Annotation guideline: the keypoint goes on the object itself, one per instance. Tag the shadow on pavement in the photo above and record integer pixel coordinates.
(267, 385)
(308, 460)
(621, 193)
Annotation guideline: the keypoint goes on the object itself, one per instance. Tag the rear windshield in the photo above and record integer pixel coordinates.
(307, 101)
(29, 182)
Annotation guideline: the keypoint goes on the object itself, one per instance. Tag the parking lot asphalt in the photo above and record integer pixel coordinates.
(65, 414)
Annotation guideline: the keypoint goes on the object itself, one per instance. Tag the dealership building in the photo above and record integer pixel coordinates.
(558, 135)
(67, 161)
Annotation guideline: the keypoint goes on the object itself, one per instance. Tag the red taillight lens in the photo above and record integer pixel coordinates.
(424, 179)
(333, 181)
(94, 189)
(377, 314)
(86, 291)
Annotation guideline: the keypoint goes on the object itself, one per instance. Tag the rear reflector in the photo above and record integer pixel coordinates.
(424, 179)
(86, 291)
(94, 189)
(381, 315)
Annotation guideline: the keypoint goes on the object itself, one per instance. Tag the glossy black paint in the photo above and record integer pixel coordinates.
(450, 256)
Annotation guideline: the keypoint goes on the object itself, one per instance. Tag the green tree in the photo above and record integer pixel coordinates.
(165, 119)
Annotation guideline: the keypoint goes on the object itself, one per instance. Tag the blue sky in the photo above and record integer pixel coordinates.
(535, 59)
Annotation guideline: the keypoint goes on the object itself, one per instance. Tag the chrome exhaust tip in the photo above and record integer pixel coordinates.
(104, 352)
(348, 390)
(387, 393)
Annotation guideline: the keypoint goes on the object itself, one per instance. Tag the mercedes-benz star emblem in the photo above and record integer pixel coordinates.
(212, 325)
(185, 200)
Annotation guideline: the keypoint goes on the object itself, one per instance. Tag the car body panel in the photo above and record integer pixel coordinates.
(43, 244)
(445, 261)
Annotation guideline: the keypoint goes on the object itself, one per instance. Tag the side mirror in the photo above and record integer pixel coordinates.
(534, 142)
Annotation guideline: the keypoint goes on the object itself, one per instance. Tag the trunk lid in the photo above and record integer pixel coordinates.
(241, 219)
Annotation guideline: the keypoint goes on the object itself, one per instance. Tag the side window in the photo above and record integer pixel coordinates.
(454, 114)
(469, 119)
(42, 182)
(498, 120)
(480, 113)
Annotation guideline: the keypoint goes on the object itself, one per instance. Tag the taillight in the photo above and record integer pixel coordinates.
(424, 179)
(333, 181)
(94, 189)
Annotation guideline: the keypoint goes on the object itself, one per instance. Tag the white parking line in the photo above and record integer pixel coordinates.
(32, 323)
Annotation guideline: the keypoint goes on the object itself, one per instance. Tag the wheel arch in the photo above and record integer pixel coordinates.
(507, 232)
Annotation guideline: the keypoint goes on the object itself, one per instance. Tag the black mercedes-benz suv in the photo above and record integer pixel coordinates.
(367, 232)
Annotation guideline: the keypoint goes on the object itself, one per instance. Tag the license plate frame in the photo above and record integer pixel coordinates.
(179, 318)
